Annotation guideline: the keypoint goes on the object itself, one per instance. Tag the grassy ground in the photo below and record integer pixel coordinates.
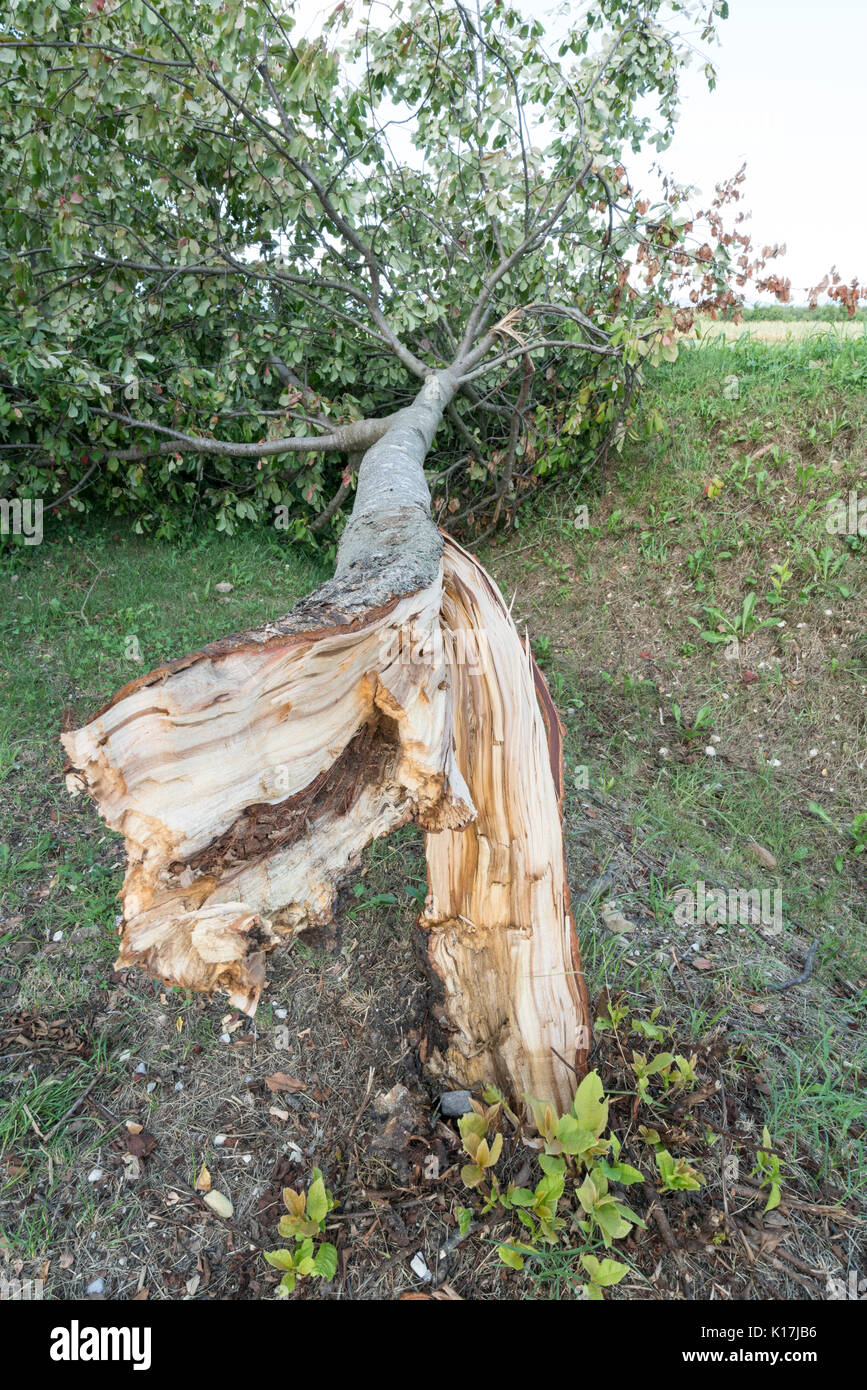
(633, 617)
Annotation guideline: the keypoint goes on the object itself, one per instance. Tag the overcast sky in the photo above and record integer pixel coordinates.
(790, 101)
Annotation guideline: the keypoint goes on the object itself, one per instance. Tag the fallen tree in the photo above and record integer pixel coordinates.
(498, 277)
(248, 777)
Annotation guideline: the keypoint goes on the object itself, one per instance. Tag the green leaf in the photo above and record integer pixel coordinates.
(620, 1172)
(317, 1201)
(604, 1272)
(465, 1219)
(590, 1107)
(280, 1259)
(774, 1199)
(472, 1175)
(510, 1257)
(521, 1197)
(325, 1261)
(552, 1165)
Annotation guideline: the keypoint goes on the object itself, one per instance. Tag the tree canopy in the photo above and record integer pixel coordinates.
(229, 252)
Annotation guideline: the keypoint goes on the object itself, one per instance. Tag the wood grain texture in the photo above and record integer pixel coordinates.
(501, 934)
(247, 779)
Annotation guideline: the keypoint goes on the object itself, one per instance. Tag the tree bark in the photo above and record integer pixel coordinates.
(248, 777)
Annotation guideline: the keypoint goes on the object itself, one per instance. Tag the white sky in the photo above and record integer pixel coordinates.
(790, 100)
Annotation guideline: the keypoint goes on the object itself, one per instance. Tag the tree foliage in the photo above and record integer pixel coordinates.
(225, 244)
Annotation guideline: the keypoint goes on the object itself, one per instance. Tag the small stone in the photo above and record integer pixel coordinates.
(453, 1104)
(141, 1069)
(614, 921)
(710, 751)
(418, 1265)
(223, 588)
(96, 1286)
(95, 1175)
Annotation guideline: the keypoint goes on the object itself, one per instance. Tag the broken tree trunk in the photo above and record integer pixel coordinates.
(502, 938)
(248, 777)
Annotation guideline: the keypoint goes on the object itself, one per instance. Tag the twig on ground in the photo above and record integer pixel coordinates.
(659, 1216)
(686, 982)
(805, 973)
(722, 1151)
(75, 1104)
(99, 574)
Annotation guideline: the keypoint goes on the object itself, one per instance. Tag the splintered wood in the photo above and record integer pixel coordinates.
(502, 938)
(248, 778)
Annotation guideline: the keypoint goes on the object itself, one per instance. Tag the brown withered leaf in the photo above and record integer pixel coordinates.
(140, 1145)
(281, 1081)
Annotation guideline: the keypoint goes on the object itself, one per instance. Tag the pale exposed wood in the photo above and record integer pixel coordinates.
(501, 935)
(247, 783)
